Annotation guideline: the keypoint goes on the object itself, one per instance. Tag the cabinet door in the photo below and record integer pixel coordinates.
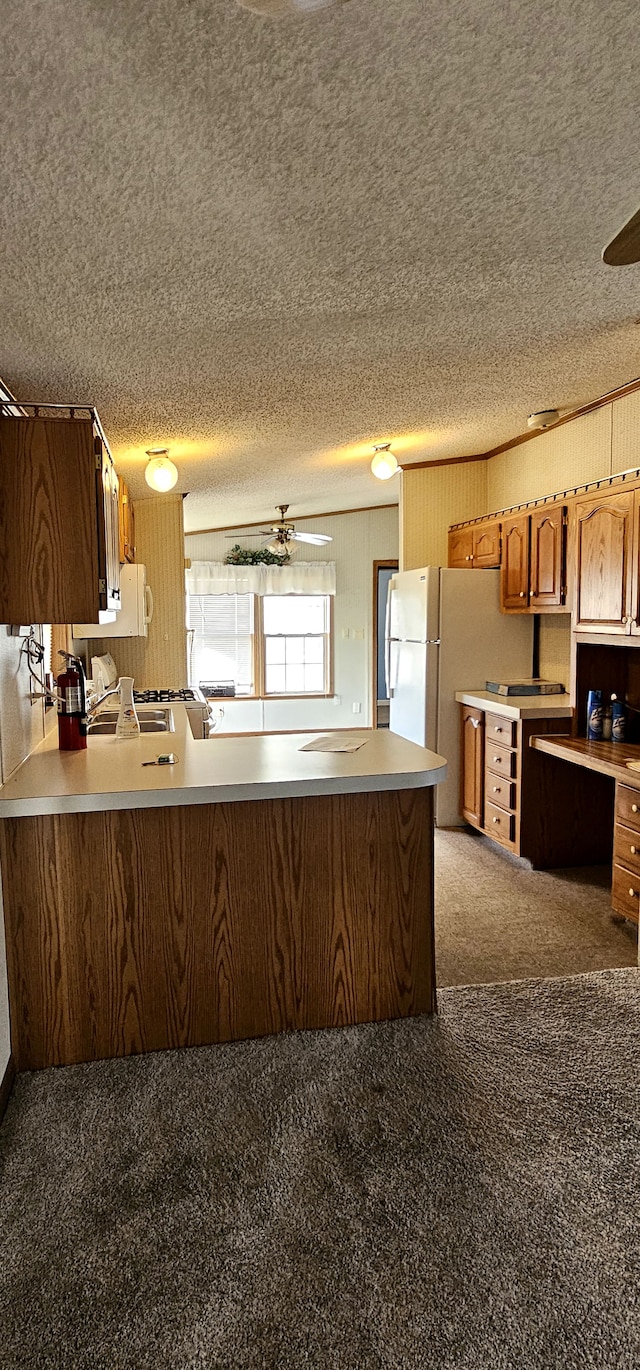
(461, 548)
(514, 581)
(472, 798)
(548, 552)
(108, 528)
(486, 545)
(604, 568)
(125, 518)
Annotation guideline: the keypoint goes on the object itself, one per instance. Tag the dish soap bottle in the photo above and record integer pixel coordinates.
(127, 725)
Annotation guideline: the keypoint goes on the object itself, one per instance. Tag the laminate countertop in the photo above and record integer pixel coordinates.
(517, 706)
(110, 774)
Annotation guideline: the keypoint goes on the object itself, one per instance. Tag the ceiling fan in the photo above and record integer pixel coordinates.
(279, 535)
(624, 249)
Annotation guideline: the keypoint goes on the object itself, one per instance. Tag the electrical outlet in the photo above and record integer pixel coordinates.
(357, 708)
(337, 699)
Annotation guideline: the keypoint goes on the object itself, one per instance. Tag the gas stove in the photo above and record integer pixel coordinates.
(167, 697)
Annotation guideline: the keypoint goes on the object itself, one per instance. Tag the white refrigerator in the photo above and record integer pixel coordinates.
(445, 632)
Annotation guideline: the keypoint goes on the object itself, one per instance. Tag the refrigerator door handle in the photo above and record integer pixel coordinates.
(387, 643)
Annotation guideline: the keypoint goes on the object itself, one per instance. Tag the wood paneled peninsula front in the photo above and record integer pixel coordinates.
(249, 889)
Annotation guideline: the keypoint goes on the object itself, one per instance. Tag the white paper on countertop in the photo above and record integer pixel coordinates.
(330, 744)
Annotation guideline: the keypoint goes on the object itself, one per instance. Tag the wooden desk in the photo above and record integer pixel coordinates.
(610, 758)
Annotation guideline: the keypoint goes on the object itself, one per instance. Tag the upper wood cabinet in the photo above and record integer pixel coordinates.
(606, 594)
(514, 580)
(461, 548)
(126, 525)
(547, 573)
(475, 547)
(533, 576)
(59, 552)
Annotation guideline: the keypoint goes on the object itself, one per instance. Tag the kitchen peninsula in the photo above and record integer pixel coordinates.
(250, 888)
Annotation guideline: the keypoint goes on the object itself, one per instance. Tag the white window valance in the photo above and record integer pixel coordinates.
(299, 578)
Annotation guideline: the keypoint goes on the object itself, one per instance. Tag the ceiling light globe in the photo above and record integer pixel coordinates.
(384, 464)
(161, 474)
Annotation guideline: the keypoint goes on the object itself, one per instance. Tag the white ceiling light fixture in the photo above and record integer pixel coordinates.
(384, 465)
(160, 473)
(277, 9)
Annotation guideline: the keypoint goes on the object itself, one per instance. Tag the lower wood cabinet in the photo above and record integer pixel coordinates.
(527, 803)
(625, 882)
(472, 769)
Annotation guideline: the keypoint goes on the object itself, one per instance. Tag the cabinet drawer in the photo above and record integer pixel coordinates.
(498, 823)
(502, 730)
(499, 791)
(628, 806)
(626, 847)
(500, 759)
(625, 892)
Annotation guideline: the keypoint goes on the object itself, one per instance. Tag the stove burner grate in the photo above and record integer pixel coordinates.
(163, 696)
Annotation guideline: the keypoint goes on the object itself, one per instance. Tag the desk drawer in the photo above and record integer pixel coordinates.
(628, 806)
(500, 760)
(625, 892)
(502, 730)
(498, 823)
(626, 847)
(499, 791)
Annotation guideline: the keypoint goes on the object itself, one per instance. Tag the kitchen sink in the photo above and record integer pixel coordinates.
(151, 721)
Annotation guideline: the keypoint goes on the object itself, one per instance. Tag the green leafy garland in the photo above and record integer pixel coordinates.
(260, 556)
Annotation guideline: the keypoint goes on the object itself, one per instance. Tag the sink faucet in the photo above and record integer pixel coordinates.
(95, 704)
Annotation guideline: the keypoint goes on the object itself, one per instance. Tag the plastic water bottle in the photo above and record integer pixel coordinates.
(128, 724)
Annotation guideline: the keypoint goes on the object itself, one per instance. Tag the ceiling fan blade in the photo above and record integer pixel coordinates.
(316, 539)
(624, 249)
(248, 535)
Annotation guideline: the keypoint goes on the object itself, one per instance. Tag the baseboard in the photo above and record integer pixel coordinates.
(6, 1085)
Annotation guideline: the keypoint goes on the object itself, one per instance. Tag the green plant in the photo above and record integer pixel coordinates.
(257, 556)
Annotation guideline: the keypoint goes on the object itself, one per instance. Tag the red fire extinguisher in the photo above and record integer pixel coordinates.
(72, 705)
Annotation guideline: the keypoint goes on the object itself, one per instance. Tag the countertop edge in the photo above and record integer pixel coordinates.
(220, 794)
(527, 706)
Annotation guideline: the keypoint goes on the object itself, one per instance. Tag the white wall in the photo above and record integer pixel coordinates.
(358, 541)
(21, 728)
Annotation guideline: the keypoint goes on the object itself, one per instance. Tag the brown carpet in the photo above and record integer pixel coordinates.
(450, 1193)
(496, 919)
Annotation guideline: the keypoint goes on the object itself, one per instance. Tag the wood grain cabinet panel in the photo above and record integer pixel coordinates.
(475, 547)
(142, 929)
(126, 525)
(487, 546)
(625, 892)
(59, 560)
(605, 549)
(514, 581)
(472, 765)
(461, 549)
(547, 587)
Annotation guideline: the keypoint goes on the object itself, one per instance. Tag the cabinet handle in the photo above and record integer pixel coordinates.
(633, 850)
(497, 820)
(496, 789)
(498, 729)
(631, 889)
(468, 558)
(475, 722)
(496, 760)
(523, 594)
(634, 808)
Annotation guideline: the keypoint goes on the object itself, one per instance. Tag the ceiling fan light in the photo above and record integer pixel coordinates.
(278, 548)
(160, 473)
(384, 464)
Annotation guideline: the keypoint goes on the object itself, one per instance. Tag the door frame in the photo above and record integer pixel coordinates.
(389, 564)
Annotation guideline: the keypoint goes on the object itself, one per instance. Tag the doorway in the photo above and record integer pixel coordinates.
(382, 573)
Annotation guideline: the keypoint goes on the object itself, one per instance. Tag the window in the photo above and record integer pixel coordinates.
(296, 644)
(221, 631)
(267, 645)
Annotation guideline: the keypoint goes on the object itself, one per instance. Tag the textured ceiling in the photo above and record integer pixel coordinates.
(271, 243)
